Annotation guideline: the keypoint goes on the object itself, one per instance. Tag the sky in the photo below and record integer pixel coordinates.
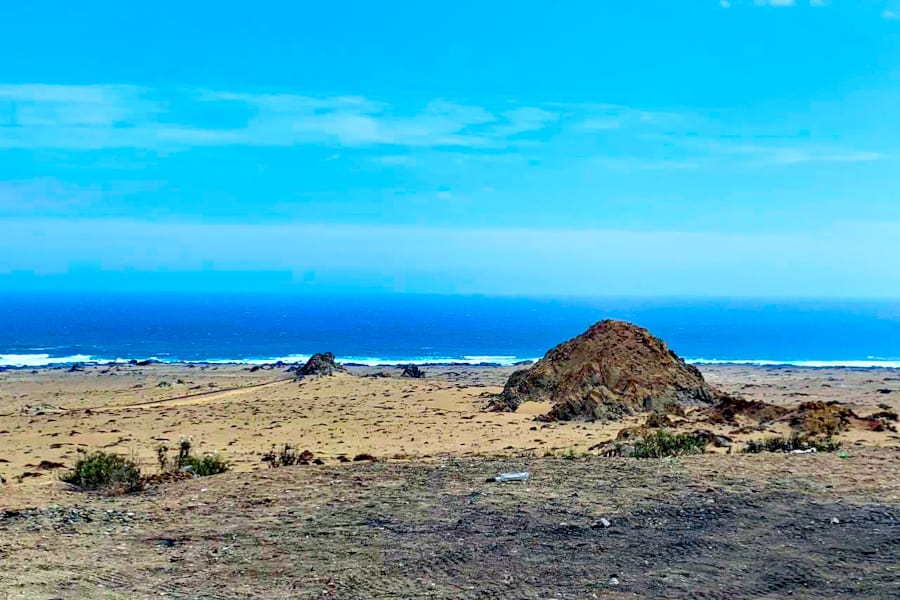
(646, 148)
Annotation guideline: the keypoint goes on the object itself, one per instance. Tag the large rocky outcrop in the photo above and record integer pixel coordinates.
(320, 364)
(611, 370)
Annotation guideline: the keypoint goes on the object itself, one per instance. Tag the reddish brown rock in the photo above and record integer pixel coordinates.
(611, 370)
(821, 418)
(729, 408)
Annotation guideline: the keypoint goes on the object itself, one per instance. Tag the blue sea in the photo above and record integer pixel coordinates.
(45, 329)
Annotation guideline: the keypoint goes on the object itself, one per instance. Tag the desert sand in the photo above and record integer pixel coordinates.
(422, 522)
(49, 414)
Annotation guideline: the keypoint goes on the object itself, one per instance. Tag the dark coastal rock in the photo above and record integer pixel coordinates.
(412, 371)
(611, 370)
(320, 364)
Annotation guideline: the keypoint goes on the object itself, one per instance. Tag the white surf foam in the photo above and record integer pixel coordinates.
(41, 360)
(46, 360)
(433, 360)
(818, 364)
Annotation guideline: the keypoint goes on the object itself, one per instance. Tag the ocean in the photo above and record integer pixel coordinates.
(46, 329)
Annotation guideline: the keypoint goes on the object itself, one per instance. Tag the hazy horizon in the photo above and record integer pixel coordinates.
(704, 149)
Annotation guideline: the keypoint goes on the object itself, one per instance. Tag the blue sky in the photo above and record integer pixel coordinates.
(581, 148)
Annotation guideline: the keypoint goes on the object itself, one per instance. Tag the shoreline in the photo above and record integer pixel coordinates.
(64, 362)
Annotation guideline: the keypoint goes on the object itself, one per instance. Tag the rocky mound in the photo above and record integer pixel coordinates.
(320, 364)
(612, 369)
(412, 371)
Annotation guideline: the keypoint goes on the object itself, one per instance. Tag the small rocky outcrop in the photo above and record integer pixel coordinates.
(729, 409)
(320, 364)
(412, 371)
(611, 370)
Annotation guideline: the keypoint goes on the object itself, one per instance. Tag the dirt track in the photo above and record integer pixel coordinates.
(705, 527)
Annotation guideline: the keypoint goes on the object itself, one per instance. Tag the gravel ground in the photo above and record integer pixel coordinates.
(763, 526)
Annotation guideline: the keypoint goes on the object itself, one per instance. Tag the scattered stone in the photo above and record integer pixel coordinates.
(612, 449)
(49, 465)
(364, 457)
(729, 408)
(835, 521)
(716, 439)
(656, 420)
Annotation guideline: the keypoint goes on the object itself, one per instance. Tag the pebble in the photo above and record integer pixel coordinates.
(605, 522)
(613, 580)
(835, 521)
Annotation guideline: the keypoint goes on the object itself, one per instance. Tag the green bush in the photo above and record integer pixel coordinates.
(662, 443)
(795, 442)
(102, 470)
(211, 464)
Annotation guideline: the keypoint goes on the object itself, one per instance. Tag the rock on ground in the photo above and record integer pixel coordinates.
(611, 370)
(320, 364)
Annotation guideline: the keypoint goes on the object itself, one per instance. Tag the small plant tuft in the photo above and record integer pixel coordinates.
(288, 456)
(102, 470)
(184, 461)
(663, 443)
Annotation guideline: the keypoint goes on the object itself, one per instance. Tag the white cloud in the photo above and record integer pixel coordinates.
(724, 3)
(632, 164)
(111, 116)
(890, 14)
(436, 132)
(818, 3)
(48, 194)
(777, 3)
(87, 105)
(764, 155)
(521, 120)
(599, 117)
